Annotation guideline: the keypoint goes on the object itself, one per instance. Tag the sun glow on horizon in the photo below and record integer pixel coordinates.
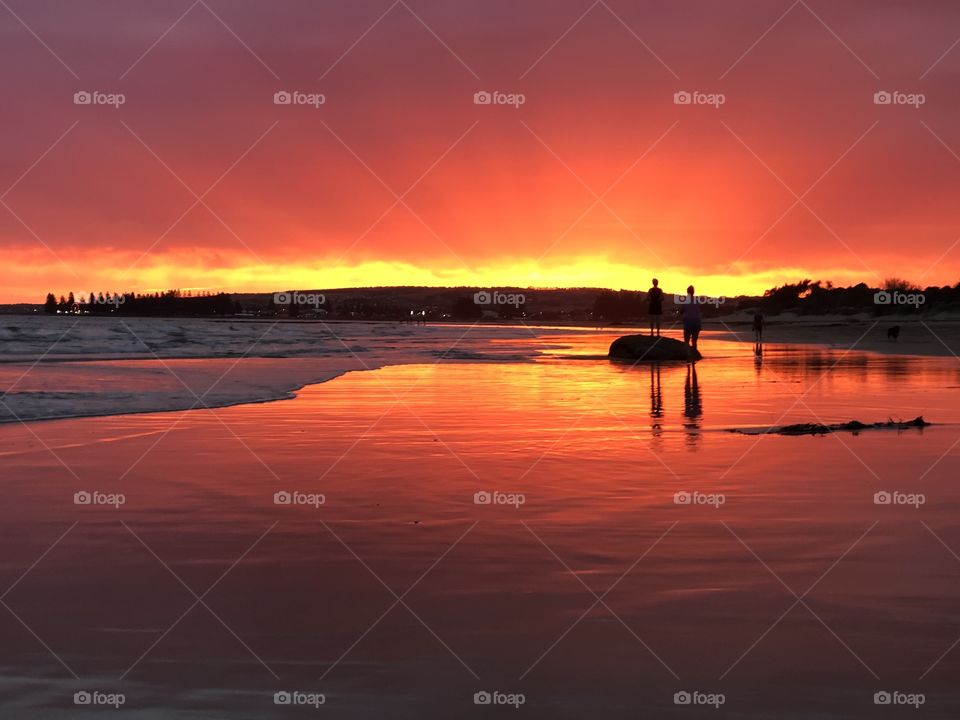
(189, 273)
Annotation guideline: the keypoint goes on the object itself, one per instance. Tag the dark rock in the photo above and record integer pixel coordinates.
(644, 348)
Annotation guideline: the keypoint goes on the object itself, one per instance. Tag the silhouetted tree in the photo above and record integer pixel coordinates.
(892, 284)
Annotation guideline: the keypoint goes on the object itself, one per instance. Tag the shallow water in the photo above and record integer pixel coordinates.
(498, 596)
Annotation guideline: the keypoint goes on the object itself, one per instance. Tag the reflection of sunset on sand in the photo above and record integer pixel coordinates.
(598, 463)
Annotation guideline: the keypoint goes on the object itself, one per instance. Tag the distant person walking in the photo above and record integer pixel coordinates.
(655, 307)
(758, 328)
(692, 322)
(758, 333)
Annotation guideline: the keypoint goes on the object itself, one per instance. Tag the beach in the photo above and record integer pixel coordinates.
(55, 367)
(526, 519)
(68, 367)
(328, 385)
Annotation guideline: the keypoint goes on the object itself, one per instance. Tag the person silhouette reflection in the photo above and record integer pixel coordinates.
(656, 392)
(656, 400)
(692, 407)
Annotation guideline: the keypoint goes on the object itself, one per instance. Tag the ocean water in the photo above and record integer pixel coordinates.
(63, 366)
(583, 534)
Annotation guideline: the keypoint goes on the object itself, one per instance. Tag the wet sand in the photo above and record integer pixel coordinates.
(496, 597)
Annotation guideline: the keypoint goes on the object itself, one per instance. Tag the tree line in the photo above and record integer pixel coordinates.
(171, 303)
(894, 295)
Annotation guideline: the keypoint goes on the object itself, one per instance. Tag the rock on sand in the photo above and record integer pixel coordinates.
(644, 348)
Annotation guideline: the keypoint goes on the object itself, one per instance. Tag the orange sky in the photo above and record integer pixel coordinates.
(399, 178)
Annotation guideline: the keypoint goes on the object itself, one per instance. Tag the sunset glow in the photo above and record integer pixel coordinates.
(602, 177)
(192, 273)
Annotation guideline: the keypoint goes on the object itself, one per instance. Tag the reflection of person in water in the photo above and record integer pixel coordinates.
(656, 400)
(656, 392)
(692, 408)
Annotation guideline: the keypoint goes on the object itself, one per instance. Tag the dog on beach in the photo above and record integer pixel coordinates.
(893, 333)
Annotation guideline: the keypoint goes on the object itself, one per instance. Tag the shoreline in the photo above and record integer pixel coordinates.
(936, 336)
(187, 378)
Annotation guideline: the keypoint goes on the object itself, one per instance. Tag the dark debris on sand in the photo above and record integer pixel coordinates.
(854, 426)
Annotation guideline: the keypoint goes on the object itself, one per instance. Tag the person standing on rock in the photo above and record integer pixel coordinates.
(692, 322)
(655, 307)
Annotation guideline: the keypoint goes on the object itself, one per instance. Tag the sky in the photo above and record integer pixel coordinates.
(587, 169)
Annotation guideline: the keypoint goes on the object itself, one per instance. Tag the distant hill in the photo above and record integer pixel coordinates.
(21, 309)
(467, 303)
(440, 303)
